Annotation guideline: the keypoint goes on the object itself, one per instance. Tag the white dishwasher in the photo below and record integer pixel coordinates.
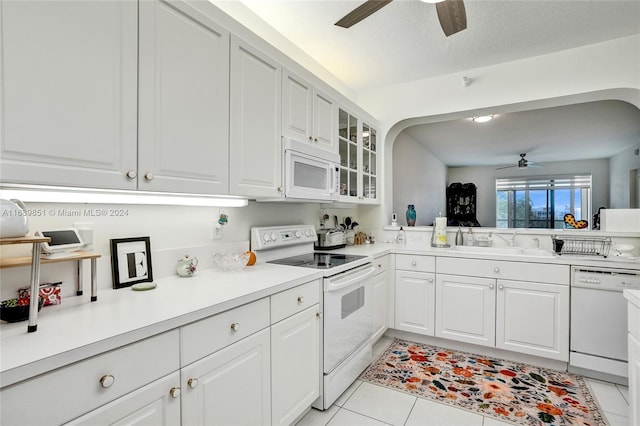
(598, 340)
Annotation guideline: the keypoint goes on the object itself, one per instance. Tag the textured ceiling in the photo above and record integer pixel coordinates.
(403, 41)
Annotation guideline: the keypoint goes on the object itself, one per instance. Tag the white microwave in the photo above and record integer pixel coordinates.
(310, 173)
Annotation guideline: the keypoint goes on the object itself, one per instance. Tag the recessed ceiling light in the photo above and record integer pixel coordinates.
(482, 118)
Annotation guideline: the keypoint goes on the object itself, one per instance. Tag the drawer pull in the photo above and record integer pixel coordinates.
(414, 263)
(175, 392)
(300, 299)
(107, 380)
(193, 383)
(496, 269)
(430, 280)
(131, 174)
(235, 326)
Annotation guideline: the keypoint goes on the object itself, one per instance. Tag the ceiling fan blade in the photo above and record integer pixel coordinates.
(359, 13)
(505, 167)
(452, 16)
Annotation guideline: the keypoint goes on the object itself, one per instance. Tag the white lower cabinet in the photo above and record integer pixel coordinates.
(634, 379)
(465, 309)
(502, 308)
(295, 365)
(380, 297)
(231, 386)
(415, 302)
(109, 382)
(533, 318)
(157, 403)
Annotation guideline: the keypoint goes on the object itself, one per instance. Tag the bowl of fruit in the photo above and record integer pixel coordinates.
(15, 310)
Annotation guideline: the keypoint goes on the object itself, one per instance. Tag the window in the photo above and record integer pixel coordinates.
(542, 202)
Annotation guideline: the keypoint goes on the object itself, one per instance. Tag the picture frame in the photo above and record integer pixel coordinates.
(130, 261)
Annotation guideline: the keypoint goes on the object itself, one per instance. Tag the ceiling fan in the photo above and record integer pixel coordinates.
(451, 14)
(523, 163)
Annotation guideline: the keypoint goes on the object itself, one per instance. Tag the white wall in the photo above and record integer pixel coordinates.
(485, 180)
(621, 165)
(419, 178)
(600, 71)
(174, 232)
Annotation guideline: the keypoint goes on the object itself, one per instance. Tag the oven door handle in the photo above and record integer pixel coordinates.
(341, 283)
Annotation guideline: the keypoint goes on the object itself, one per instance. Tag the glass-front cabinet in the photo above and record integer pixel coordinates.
(358, 159)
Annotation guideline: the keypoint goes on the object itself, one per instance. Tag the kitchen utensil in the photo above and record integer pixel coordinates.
(13, 221)
(330, 239)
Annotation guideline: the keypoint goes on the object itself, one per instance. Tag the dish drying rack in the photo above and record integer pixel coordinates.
(582, 246)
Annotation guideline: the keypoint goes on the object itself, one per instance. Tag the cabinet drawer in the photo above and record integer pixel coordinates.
(71, 391)
(412, 262)
(294, 300)
(206, 336)
(381, 264)
(522, 271)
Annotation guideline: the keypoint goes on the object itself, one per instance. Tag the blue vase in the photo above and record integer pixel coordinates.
(411, 215)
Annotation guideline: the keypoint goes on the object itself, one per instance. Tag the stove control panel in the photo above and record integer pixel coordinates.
(272, 237)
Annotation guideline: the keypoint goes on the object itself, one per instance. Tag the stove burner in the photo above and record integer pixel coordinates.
(318, 260)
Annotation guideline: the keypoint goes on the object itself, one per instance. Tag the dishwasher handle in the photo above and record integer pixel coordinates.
(341, 282)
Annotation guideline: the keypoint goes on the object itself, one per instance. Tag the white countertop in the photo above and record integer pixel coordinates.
(67, 334)
(633, 296)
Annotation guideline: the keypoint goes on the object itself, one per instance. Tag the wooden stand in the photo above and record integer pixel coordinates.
(34, 260)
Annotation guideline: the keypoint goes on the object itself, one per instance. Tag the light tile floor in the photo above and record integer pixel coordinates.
(367, 404)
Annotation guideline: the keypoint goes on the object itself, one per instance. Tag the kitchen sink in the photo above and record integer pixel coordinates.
(503, 251)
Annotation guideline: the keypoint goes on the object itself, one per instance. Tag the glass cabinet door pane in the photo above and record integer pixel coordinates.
(365, 162)
(372, 136)
(344, 182)
(353, 129)
(343, 124)
(343, 151)
(372, 188)
(353, 184)
(353, 156)
(372, 166)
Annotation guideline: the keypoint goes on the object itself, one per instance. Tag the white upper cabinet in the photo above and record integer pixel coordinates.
(307, 113)
(255, 126)
(68, 75)
(183, 101)
(357, 146)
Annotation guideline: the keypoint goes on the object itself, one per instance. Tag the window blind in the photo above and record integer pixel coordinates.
(544, 183)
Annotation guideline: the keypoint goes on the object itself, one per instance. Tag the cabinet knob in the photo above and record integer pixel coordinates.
(300, 299)
(310, 138)
(279, 189)
(430, 280)
(315, 139)
(496, 269)
(379, 266)
(107, 380)
(414, 263)
(192, 383)
(175, 392)
(501, 287)
(235, 326)
(131, 174)
(148, 176)
(319, 314)
(491, 286)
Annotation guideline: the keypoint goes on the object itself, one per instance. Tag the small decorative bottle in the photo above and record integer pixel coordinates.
(411, 215)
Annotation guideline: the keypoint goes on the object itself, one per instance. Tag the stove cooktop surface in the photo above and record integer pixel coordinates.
(318, 260)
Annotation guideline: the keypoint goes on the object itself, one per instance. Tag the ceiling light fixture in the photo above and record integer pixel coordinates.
(58, 194)
(482, 118)
(432, 1)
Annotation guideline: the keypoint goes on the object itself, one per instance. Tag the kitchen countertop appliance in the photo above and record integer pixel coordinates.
(329, 239)
(346, 302)
(598, 342)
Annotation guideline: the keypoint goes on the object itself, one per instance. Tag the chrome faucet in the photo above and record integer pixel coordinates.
(511, 242)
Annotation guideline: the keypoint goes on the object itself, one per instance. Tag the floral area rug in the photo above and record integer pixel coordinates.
(509, 391)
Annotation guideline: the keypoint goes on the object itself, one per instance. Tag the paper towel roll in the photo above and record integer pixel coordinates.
(441, 230)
